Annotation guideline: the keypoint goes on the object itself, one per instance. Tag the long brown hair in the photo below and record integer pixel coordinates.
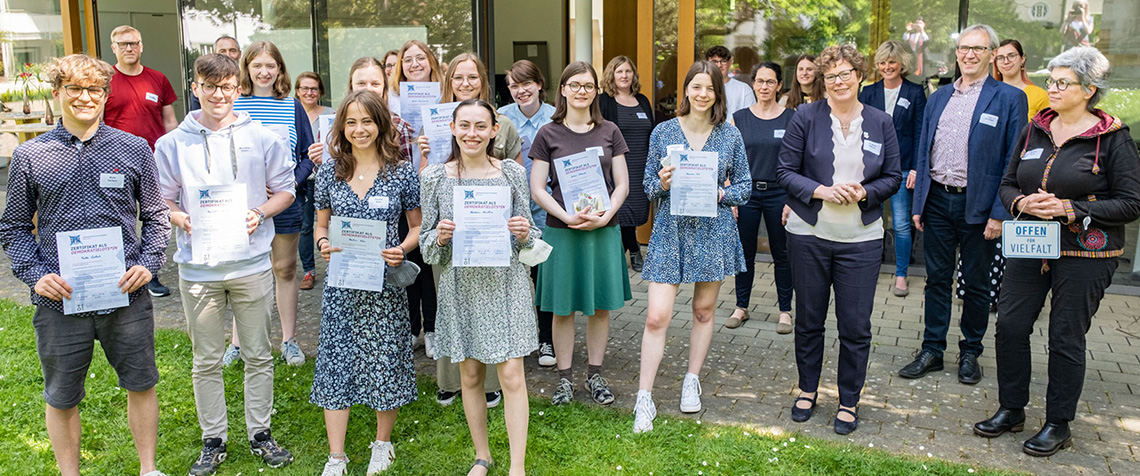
(364, 62)
(609, 85)
(719, 109)
(398, 71)
(796, 92)
(1020, 52)
(560, 106)
(448, 95)
(340, 148)
(456, 155)
(281, 86)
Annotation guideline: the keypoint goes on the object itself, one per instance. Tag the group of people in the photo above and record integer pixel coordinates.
(815, 166)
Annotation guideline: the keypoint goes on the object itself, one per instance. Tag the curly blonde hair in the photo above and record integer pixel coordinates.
(833, 54)
(79, 68)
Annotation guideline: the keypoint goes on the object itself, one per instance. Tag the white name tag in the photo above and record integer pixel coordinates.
(112, 180)
(1031, 239)
(377, 202)
(669, 150)
(152, 97)
(872, 147)
(778, 133)
(1032, 154)
(989, 120)
(904, 103)
(642, 115)
(598, 149)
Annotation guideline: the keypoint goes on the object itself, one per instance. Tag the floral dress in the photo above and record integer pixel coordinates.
(686, 249)
(485, 313)
(364, 355)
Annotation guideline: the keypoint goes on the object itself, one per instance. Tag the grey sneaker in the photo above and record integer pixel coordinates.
(270, 452)
(600, 389)
(564, 393)
(429, 344)
(291, 352)
(233, 354)
(212, 455)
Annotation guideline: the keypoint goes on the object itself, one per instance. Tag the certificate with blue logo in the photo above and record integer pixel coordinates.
(481, 234)
(693, 191)
(437, 128)
(92, 262)
(358, 264)
(217, 223)
(581, 181)
(413, 96)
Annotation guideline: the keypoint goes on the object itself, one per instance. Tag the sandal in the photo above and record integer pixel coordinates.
(484, 463)
(737, 319)
(782, 328)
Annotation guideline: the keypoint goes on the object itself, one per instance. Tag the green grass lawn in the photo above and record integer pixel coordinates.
(430, 440)
(1125, 104)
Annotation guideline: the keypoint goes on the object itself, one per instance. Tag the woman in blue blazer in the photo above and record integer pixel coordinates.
(839, 162)
(904, 101)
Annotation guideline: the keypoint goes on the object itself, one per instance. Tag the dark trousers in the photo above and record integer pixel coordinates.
(946, 232)
(766, 205)
(305, 248)
(629, 239)
(1078, 285)
(852, 269)
(421, 293)
(545, 319)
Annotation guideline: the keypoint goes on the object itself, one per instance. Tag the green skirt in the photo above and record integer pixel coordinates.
(586, 272)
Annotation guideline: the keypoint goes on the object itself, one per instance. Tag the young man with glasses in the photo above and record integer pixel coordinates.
(213, 147)
(968, 133)
(141, 102)
(738, 95)
(82, 176)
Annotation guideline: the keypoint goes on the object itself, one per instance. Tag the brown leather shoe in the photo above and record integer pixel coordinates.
(308, 281)
(737, 319)
(782, 328)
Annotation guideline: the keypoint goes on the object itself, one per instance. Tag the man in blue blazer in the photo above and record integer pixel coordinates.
(968, 134)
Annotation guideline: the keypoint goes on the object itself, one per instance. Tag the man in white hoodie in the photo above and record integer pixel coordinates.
(216, 147)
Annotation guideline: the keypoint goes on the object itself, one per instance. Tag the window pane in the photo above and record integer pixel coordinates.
(665, 57)
(32, 29)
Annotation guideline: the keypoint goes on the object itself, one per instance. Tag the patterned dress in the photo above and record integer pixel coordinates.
(485, 313)
(686, 249)
(364, 356)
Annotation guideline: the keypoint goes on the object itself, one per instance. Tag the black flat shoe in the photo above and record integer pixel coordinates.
(1004, 420)
(969, 371)
(636, 262)
(801, 415)
(846, 427)
(1052, 438)
(924, 363)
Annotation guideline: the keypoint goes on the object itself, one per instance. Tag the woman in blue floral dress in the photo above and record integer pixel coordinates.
(690, 249)
(364, 356)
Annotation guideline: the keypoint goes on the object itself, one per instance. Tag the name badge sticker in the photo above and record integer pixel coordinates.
(597, 149)
(989, 120)
(904, 103)
(377, 202)
(778, 133)
(152, 97)
(872, 147)
(1032, 154)
(1031, 239)
(669, 150)
(112, 180)
(642, 115)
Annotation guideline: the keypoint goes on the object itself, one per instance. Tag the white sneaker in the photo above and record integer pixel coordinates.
(415, 342)
(429, 344)
(155, 473)
(291, 352)
(382, 456)
(644, 411)
(233, 354)
(335, 467)
(691, 394)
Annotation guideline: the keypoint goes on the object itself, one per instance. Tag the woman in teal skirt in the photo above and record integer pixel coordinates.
(586, 271)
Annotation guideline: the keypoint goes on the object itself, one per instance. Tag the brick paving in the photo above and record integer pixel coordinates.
(749, 377)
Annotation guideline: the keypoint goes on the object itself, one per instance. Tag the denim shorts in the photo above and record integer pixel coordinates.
(65, 345)
(288, 221)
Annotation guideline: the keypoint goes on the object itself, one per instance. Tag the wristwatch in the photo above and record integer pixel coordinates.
(260, 215)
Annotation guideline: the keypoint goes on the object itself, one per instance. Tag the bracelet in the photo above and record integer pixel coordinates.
(260, 215)
(319, 241)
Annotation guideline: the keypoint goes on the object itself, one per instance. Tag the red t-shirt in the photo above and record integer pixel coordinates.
(136, 102)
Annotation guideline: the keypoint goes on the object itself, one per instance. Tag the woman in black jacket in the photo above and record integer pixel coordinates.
(623, 104)
(1077, 166)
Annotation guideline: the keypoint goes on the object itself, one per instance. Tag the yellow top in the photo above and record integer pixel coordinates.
(1038, 99)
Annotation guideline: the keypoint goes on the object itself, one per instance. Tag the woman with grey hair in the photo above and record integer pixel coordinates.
(1076, 166)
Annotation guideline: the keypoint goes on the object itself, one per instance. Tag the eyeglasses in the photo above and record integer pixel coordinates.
(128, 45)
(842, 75)
(94, 92)
(977, 49)
(720, 62)
(517, 86)
(1007, 58)
(771, 83)
(1061, 84)
(470, 79)
(210, 88)
(576, 87)
(306, 89)
(415, 59)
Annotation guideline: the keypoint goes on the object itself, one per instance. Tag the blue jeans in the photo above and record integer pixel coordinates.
(766, 205)
(305, 248)
(900, 219)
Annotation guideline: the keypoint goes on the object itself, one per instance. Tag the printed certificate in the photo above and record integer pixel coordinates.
(412, 97)
(694, 191)
(217, 223)
(481, 234)
(582, 183)
(358, 265)
(437, 128)
(92, 262)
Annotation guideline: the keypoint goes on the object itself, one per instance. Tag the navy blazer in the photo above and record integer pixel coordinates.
(907, 116)
(989, 148)
(807, 160)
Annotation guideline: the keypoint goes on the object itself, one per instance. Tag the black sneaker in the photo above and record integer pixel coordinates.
(445, 398)
(213, 453)
(494, 398)
(156, 288)
(600, 389)
(273, 455)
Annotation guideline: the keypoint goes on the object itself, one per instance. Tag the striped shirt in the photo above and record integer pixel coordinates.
(278, 115)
